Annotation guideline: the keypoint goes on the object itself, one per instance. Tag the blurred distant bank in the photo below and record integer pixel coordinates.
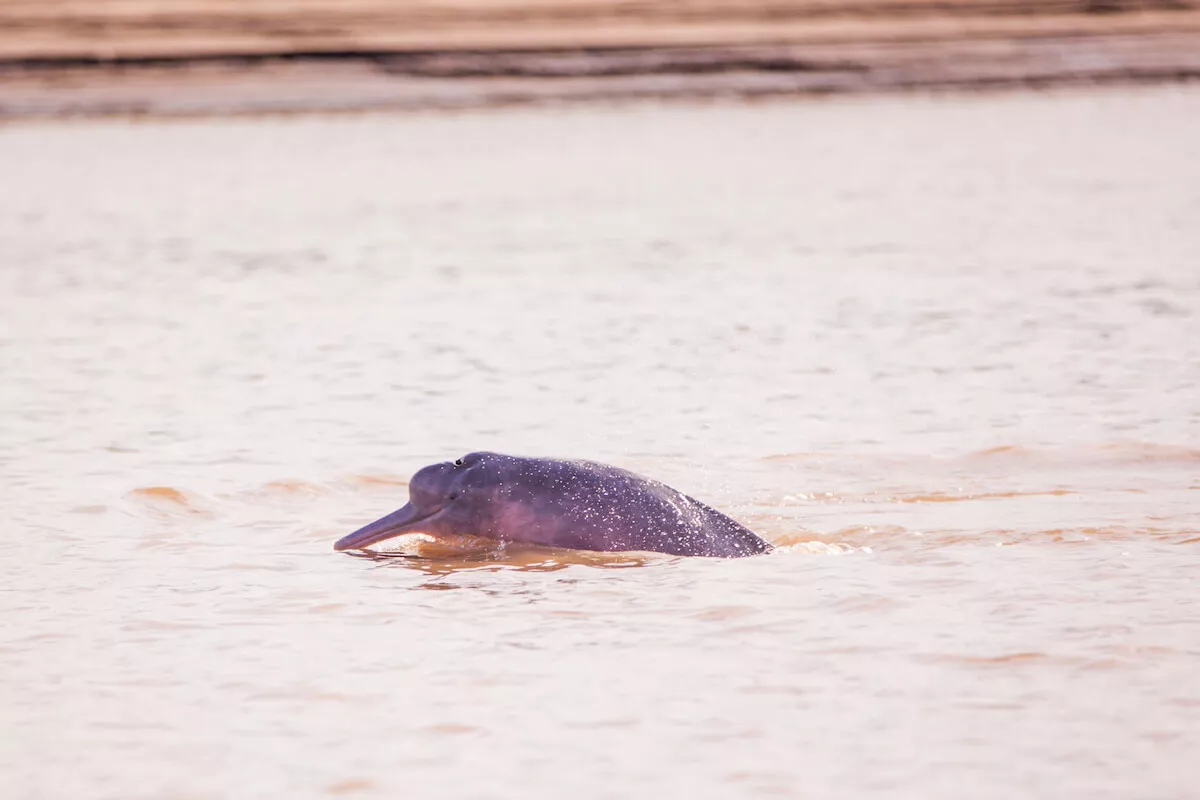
(129, 56)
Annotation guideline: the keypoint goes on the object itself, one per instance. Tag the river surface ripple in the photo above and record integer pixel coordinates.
(945, 351)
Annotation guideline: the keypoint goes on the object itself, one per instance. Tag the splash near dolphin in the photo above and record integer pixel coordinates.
(580, 505)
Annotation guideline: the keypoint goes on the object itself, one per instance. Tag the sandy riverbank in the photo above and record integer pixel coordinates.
(203, 56)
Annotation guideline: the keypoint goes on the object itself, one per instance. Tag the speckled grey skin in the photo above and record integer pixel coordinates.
(575, 504)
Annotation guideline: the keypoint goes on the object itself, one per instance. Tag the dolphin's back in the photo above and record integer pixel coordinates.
(590, 506)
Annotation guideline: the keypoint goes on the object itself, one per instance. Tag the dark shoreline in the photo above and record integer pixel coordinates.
(363, 80)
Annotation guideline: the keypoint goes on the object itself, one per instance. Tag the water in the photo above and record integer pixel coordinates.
(944, 351)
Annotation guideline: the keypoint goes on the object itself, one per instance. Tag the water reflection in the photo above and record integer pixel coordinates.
(446, 555)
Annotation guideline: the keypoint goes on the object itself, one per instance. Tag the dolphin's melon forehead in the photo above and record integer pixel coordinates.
(429, 484)
(479, 456)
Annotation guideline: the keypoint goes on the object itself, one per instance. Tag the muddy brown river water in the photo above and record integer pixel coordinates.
(945, 351)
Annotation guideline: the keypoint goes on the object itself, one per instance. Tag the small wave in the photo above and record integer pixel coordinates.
(821, 548)
(1115, 452)
(376, 481)
(797, 456)
(1002, 659)
(168, 501)
(351, 786)
(291, 488)
(943, 497)
(1119, 452)
(161, 493)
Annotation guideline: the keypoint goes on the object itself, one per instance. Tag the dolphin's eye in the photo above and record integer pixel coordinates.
(454, 495)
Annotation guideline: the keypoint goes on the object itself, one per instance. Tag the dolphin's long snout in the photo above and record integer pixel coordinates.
(405, 520)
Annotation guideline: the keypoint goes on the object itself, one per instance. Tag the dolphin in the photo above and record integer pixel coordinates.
(580, 505)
